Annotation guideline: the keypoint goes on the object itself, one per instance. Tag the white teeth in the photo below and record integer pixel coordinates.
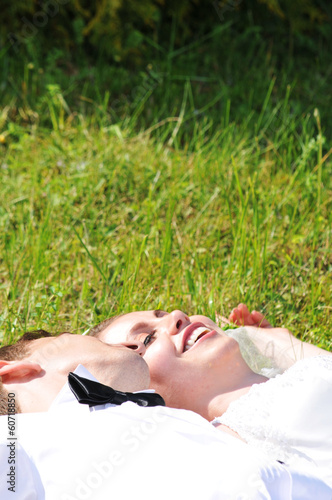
(193, 337)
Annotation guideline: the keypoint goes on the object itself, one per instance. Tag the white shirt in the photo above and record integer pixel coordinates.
(73, 452)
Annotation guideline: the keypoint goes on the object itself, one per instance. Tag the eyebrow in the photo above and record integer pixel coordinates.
(157, 312)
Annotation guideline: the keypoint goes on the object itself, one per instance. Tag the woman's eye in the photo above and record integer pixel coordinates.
(147, 339)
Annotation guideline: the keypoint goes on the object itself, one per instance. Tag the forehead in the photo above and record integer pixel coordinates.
(64, 342)
(61, 340)
(47, 347)
(37, 344)
(121, 329)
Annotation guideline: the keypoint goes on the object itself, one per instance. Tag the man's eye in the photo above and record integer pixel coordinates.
(148, 338)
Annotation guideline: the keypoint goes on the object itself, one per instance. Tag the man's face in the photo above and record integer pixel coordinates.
(117, 365)
(187, 356)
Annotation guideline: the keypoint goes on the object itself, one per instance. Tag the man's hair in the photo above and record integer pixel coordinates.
(16, 352)
(96, 330)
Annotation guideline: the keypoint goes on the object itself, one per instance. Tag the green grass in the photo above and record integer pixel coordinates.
(188, 195)
(97, 220)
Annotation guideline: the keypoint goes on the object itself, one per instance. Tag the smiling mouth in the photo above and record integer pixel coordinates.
(197, 334)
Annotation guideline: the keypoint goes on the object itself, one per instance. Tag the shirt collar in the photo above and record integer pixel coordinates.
(66, 396)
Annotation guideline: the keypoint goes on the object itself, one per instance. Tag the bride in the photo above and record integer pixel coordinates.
(259, 383)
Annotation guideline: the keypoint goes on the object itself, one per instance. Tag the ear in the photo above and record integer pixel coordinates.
(18, 371)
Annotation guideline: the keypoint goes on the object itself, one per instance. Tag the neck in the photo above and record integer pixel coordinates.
(220, 402)
(37, 395)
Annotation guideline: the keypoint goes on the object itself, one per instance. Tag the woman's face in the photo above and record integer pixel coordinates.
(188, 357)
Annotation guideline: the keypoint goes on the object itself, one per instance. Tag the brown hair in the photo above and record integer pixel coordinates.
(96, 330)
(15, 352)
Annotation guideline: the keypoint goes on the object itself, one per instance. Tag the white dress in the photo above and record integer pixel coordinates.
(290, 416)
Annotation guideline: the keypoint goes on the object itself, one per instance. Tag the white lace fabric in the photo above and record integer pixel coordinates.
(289, 416)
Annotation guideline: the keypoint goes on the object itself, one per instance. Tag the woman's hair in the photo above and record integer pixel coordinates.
(16, 352)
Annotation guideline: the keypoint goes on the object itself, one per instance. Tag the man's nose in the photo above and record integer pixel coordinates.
(176, 321)
(135, 345)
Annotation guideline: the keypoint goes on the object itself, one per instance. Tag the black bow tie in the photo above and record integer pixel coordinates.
(93, 393)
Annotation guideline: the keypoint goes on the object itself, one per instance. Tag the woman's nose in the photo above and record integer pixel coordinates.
(176, 321)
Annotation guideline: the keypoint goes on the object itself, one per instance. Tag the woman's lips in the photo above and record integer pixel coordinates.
(193, 334)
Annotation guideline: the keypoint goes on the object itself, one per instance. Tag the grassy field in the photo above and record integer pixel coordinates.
(200, 207)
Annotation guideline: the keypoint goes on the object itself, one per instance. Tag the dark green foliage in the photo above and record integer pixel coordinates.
(158, 57)
(126, 30)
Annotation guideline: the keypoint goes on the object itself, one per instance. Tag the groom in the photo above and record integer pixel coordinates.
(65, 437)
